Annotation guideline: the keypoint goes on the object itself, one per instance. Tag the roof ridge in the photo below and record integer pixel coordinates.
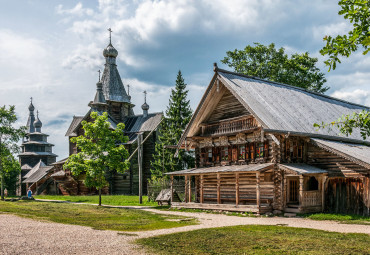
(290, 86)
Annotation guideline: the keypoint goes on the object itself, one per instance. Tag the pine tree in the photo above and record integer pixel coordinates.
(177, 117)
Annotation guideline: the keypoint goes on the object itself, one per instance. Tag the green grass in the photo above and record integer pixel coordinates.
(240, 214)
(123, 200)
(342, 218)
(93, 216)
(258, 240)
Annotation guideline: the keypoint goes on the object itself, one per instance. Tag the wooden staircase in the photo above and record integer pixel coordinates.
(291, 210)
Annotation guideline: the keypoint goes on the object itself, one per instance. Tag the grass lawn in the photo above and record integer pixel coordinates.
(106, 199)
(93, 216)
(258, 240)
(342, 218)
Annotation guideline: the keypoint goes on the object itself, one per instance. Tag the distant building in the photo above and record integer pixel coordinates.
(111, 97)
(35, 148)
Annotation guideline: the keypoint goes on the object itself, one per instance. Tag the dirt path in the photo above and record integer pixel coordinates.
(25, 236)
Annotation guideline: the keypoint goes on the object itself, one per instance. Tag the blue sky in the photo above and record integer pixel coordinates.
(51, 50)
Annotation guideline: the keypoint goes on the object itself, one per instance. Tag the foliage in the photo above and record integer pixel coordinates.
(11, 176)
(123, 200)
(177, 117)
(342, 218)
(254, 239)
(358, 13)
(267, 62)
(100, 149)
(103, 218)
(346, 124)
(9, 136)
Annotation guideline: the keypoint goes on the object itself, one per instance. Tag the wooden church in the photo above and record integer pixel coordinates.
(111, 97)
(257, 150)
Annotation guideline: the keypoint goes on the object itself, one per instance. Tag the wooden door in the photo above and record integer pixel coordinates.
(293, 191)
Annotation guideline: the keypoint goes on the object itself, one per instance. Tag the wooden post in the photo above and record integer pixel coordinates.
(301, 178)
(218, 189)
(201, 189)
(186, 189)
(237, 188)
(323, 192)
(258, 197)
(140, 163)
(171, 189)
(189, 188)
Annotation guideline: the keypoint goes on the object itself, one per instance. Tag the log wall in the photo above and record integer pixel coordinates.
(348, 196)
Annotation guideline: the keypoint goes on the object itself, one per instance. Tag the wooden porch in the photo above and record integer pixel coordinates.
(247, 188)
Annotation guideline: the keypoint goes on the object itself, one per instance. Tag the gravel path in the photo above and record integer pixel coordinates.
(25, 236)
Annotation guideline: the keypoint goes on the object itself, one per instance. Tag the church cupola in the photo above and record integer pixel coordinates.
(37, 124)
(99, 102)
(145, 106)
(31, 118)
(113, 88)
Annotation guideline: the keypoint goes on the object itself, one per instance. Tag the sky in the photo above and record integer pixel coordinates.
(52, 50)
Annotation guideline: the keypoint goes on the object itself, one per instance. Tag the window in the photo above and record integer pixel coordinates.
(210, 158)
(225, 153)
(260, 150)
(313, 184)
(241, 152)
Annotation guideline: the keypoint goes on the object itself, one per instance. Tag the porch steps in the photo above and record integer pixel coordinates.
(290, 215)
(291, 210)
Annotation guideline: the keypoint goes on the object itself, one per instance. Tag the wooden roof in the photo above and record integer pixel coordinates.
(301, 168)
(225, 169)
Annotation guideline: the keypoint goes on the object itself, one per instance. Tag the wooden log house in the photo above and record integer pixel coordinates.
(258, 151)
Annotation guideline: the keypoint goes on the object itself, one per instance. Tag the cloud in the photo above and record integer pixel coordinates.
(358, 96)
(78, 10)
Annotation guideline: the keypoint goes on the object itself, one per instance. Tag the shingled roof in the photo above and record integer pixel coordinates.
(287, 108)
(282, 108)
(75, 122)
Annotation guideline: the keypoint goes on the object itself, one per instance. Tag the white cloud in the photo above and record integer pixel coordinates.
(358, 96)
(333, 29)
(78, 10)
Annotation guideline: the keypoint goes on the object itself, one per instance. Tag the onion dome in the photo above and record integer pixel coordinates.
(31, 107)
(110, 51)
(37, 123)
(145, 106)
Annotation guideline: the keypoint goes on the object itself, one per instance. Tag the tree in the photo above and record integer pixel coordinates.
(178, 115)
(101, 150)
(358, 13)
(267, 62)
(13, 169)
(9, 136)
(347, 123)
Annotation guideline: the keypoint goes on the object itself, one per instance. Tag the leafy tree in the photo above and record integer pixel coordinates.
(177, 117)
(273, 64)
(11, 176)
(358, 13)
(347, 123)
(101, 149)
(9, 136)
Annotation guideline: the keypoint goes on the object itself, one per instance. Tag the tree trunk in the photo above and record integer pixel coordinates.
(2, 185)
(99, 196)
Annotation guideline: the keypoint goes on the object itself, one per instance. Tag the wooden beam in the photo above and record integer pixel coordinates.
(218, 189)
(140, 163)
(189, 188)
(201, 189)
(171, 189)
(258, 194)
(301, 178)
(186, 188)
(237, 188)
(324, 178)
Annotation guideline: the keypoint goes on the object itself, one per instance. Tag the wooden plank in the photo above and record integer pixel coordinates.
(237, 188)
(258, 197)
(171, 188)
(301, 190)
(186, 189)
(218, 189)
(189, 189)
(201, 188)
